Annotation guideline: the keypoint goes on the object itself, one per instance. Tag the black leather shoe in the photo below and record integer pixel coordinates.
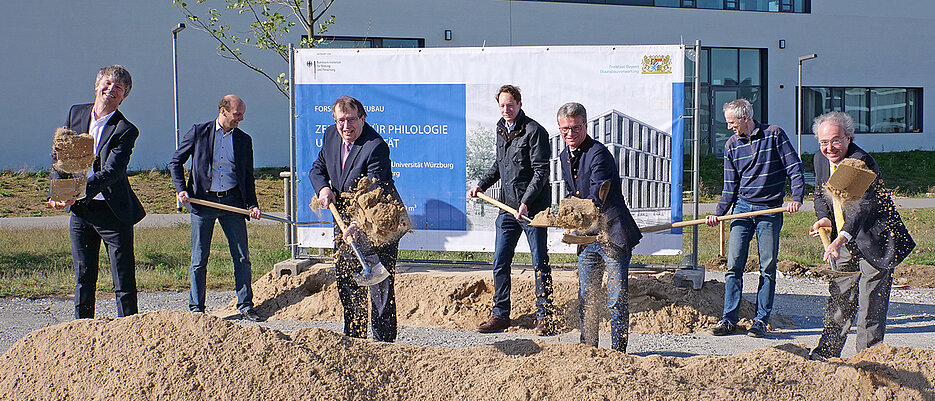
(494, 325)
(251, 315)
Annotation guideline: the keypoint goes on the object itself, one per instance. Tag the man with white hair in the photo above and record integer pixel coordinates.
(870, 239)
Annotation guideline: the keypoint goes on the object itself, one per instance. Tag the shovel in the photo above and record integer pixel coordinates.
(373, 272)
(661, 227)
(247, 212)
(567, 238)
(833, 271)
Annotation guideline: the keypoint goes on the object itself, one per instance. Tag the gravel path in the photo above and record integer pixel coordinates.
(911, 321)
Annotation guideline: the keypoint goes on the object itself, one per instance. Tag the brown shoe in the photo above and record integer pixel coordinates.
(494, 325)
(543, 328)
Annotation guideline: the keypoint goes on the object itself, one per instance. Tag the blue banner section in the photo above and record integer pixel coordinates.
(678, 151)
(424, 126)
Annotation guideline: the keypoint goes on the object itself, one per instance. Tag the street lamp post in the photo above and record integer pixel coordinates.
(175, 89)
(798, 103)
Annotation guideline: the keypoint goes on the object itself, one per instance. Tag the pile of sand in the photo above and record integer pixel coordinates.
(463, 300)
(577, 214)
(170, 355)
(850, 180)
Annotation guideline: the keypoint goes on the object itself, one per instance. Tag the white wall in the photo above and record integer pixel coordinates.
(52, 49)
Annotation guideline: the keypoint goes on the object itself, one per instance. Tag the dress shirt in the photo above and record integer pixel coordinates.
(222, 166)
(95, 129)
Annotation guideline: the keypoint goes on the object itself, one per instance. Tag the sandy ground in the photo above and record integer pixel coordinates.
(170, 354)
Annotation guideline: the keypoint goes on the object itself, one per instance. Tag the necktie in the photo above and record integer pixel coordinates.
(837, 206)
(346, 149)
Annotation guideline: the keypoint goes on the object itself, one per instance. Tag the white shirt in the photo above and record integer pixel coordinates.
(95, 129)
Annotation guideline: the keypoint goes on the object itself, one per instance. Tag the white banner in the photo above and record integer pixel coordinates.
(436, 109)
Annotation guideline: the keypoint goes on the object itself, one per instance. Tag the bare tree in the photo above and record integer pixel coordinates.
(270, 21)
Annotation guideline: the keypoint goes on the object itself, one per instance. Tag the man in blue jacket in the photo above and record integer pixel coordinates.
(586, 166)
(222, 172)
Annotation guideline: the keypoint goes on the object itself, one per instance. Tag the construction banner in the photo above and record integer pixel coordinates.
(437, 111)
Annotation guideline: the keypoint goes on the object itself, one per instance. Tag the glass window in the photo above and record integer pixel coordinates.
(888, 110)
(338, 43)
(855, 104)
(724, 66)
(749, 66)
(608, 138)
(402, 43)
(668, 3)
(731, 4)
(754, 5)
(713, 4)
(874, 110)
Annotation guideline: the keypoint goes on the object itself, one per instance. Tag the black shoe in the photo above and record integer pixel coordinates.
(251, 315)
(494, 325)
(723, 328)
(757, 329)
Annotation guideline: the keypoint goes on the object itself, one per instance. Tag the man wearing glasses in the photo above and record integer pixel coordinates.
(870, 240)
(522, 167)
(351, 150)
(757, 160)
(586, 166)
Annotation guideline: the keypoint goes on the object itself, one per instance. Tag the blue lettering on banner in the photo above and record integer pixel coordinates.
(424, 126)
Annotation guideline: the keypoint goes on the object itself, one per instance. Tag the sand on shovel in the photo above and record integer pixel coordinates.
(577, 214)
(850, 180)
(73, 152)
(382, 217)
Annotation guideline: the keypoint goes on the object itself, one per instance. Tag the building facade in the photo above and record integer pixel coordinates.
(873, 61)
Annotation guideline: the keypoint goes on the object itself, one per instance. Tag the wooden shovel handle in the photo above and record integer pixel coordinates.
(337, 217)
(823, 234)
(219, 206)
(719, 218)
(501, 205)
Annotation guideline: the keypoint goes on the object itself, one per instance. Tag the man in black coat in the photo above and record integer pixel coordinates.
(351, 150)
(222, 172)
(870, 239)
(522, 167)
(586, 166)
(110, 208)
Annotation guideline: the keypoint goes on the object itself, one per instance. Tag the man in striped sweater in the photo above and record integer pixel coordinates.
(757, 160)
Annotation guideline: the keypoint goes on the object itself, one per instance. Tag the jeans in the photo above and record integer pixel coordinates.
(235, 229)
(508, 232)
(864, 296)
(766, 228)
(592, 262)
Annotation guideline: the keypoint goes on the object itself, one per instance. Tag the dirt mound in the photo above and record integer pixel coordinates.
(171, 355)
(463, 300)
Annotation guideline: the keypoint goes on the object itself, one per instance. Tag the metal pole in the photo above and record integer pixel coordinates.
(175, 90)
(292, 176)
(798, 102)
(696, 148)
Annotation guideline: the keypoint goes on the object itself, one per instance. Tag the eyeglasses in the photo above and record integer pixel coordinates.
(574, 128)
(836, 142)
(348, 120)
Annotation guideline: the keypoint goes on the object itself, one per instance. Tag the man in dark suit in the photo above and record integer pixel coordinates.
(222, 172)
(586, 166)
(522, 168)
(870, 239)
(110, 208)
(351, 150)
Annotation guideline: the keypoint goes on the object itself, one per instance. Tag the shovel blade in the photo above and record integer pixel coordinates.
(373, 272)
